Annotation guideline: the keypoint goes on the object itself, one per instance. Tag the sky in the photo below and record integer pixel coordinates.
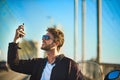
(38, 15)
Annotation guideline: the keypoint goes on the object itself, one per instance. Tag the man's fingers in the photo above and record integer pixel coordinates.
(21, 27)
(20, 33)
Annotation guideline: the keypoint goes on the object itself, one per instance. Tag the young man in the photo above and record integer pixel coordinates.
(54, 67)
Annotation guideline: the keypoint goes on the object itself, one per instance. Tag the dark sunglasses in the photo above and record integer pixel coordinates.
(46, 37)
(113, 75)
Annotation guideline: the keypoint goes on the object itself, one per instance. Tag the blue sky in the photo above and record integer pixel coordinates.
(35, 14)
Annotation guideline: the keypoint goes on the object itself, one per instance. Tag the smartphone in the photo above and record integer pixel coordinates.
(22, 29)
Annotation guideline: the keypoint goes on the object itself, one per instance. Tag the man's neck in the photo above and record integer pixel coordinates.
(51, 55)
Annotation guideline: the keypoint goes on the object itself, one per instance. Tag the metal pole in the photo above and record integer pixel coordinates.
(99, 30)
(83, 28)
(75, 28)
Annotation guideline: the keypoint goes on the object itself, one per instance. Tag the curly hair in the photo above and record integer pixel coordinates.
(58, 36)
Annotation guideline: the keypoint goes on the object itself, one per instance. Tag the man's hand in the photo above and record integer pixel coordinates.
(19, 33)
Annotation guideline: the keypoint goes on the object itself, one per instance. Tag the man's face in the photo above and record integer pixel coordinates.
(47, 42)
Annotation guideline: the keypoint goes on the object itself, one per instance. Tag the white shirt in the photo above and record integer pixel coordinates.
(47, 71)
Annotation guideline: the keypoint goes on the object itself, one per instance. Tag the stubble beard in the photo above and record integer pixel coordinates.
(47, 47)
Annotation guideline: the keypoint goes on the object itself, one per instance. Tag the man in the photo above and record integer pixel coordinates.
(54, 67)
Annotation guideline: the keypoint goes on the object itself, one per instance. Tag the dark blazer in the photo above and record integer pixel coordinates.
(64, 69)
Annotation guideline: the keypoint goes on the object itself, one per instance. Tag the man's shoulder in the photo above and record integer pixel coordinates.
(71, 61)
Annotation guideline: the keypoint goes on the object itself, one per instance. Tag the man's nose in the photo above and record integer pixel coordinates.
(43, 39)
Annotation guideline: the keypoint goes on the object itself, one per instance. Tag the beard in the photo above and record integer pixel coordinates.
(47, 47)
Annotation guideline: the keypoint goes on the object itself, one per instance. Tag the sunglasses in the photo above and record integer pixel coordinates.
(46, 37)
(113, 75)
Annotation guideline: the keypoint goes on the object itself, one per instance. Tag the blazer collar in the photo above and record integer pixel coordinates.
(58, 58)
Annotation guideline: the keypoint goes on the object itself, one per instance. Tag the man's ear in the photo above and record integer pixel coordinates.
(57, 43)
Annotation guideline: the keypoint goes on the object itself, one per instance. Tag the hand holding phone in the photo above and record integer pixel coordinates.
(21, 30)
(19, 33)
